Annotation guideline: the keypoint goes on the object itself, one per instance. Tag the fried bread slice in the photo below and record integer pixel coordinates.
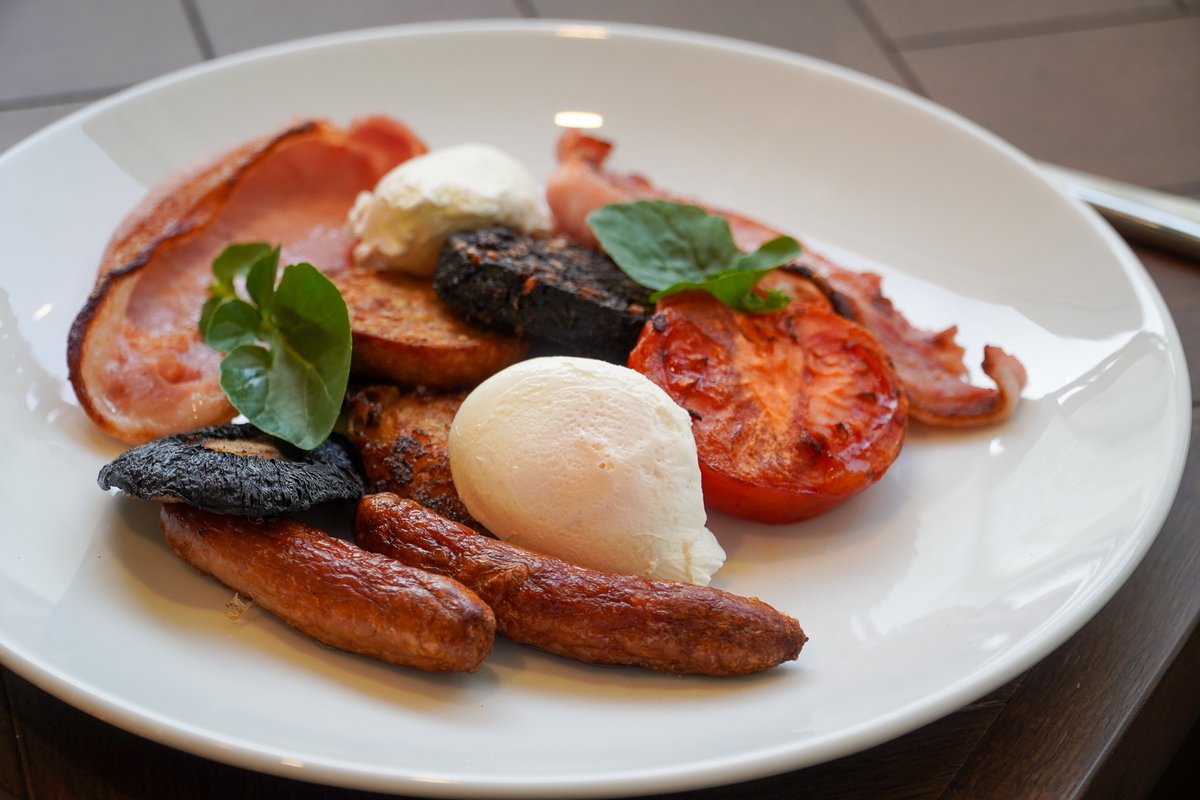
(401, 436)
(405, 334)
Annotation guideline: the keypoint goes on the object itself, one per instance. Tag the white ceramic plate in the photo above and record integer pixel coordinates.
(976, 555)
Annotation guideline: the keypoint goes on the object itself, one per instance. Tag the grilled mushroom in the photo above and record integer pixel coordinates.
(236, 469)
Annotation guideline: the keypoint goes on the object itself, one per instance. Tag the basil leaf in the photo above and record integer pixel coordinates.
(313, 321)
(287, 347)
(734, 288)
(672, 247)
(773, 300)
(279, 392)
(244, 376)
(659, 243)
(260, 279)
(227, 323)
(770, 254)
(236, 260)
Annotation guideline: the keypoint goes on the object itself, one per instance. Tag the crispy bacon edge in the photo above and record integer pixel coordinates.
(929, 364)
(182, 205)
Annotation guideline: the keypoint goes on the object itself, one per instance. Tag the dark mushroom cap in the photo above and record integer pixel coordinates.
(236, 469)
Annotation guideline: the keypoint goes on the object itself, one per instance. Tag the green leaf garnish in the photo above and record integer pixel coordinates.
(675, 247)
(287, 346)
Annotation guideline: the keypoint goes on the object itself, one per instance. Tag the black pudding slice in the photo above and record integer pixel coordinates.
(544, 287)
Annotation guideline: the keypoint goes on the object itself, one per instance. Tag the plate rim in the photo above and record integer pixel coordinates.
(146, 723)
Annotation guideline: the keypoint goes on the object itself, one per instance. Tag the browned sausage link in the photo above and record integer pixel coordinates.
(580, 613)
(336, 592)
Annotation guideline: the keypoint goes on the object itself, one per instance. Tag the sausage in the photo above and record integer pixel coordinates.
(591, 616)
(335, 592)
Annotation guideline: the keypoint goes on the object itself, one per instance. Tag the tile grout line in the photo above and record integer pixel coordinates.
(57, 99)
(526, 9)
(885, 43)
(997, 33)
(199, 31)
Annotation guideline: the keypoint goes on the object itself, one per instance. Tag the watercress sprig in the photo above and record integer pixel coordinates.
(674, 247)
(287, 345)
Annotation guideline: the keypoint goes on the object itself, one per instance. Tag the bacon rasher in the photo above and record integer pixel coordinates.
(136, 360)
(929, 364)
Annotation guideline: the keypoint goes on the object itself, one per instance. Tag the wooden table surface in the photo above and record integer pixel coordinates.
(1100, 717)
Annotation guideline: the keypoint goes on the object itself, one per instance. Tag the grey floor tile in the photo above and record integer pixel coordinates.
(904, 19)
(235, 25)
(51, 47)
(826, 29)
(1120, 101)
(16, 125)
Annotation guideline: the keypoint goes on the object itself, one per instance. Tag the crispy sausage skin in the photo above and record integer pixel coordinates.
(335, 592)
(929, 364)
(581, 613)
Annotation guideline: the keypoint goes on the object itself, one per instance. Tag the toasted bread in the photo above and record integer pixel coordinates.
(404, 333)
(401, 439)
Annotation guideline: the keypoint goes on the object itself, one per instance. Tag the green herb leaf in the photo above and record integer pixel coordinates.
(734, 288)
(236, 261)
(287, 347)
(674, 247)
(228, 323)
(226, 320)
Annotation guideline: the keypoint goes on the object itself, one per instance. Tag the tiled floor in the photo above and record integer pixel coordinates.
(1108, 86)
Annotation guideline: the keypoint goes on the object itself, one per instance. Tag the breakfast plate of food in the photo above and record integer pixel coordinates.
(623, 411)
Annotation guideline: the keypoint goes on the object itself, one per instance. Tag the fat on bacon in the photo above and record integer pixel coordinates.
(136, 360)
(929, 364)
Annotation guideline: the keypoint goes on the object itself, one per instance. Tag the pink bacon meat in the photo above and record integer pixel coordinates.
(929, 364)
(136, 360)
